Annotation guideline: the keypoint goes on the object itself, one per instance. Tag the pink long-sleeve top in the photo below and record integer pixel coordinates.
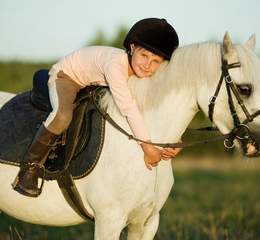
(107, 66)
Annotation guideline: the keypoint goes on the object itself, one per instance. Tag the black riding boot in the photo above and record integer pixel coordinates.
(26, 181)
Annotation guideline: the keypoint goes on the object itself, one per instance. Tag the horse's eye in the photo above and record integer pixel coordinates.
(245, 89)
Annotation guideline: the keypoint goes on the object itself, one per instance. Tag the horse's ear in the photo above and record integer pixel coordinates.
(227, 44)
(251, 42)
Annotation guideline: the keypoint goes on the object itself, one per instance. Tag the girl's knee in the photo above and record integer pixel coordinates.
(60, 120)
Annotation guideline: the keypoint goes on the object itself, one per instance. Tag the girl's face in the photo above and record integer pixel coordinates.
(144, 63)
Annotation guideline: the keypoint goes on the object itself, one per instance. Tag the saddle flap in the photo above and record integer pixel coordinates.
(19, 121)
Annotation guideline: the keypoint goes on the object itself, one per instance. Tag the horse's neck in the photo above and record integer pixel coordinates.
(192, 68)
(169, 99)
(168, 122)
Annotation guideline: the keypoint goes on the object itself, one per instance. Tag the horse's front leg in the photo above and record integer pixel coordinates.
(109, 225)
(145, 231)
(151, 227)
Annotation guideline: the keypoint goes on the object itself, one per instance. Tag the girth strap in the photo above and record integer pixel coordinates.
(72, 196)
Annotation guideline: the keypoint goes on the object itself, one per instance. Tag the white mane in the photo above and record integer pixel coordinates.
(196, 61)
(188, 64)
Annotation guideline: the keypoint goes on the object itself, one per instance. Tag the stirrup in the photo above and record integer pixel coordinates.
(27, 192)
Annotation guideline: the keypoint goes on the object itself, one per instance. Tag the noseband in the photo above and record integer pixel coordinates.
(240, 131)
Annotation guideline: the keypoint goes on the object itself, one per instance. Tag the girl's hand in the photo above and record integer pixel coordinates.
(251, 149)
(152, 155)
(169, 153)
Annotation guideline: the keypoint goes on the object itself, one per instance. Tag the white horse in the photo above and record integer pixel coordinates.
(121, 191)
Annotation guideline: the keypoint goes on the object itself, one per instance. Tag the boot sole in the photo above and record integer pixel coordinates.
(26, 192)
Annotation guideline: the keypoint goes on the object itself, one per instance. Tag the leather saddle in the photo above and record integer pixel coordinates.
(79, 147)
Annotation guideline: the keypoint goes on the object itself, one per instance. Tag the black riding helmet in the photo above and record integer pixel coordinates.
(155, 35)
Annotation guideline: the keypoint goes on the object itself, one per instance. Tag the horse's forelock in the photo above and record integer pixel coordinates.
(250, 63)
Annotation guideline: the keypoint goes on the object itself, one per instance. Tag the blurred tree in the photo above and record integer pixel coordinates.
(99, 38)
(116, 41)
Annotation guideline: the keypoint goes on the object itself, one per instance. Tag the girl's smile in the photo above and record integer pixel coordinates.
(143, 62)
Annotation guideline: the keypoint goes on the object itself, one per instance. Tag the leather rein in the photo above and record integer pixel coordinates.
(240, 131)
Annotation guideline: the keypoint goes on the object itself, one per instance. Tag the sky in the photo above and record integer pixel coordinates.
(46, 30)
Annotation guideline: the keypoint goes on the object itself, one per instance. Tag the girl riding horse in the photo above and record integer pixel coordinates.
(149, 42)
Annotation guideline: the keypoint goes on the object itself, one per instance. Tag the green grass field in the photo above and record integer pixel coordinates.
(212, 205)
(205, 204)
(17, 76)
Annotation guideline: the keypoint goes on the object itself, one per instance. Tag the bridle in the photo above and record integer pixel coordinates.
(240, 131)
